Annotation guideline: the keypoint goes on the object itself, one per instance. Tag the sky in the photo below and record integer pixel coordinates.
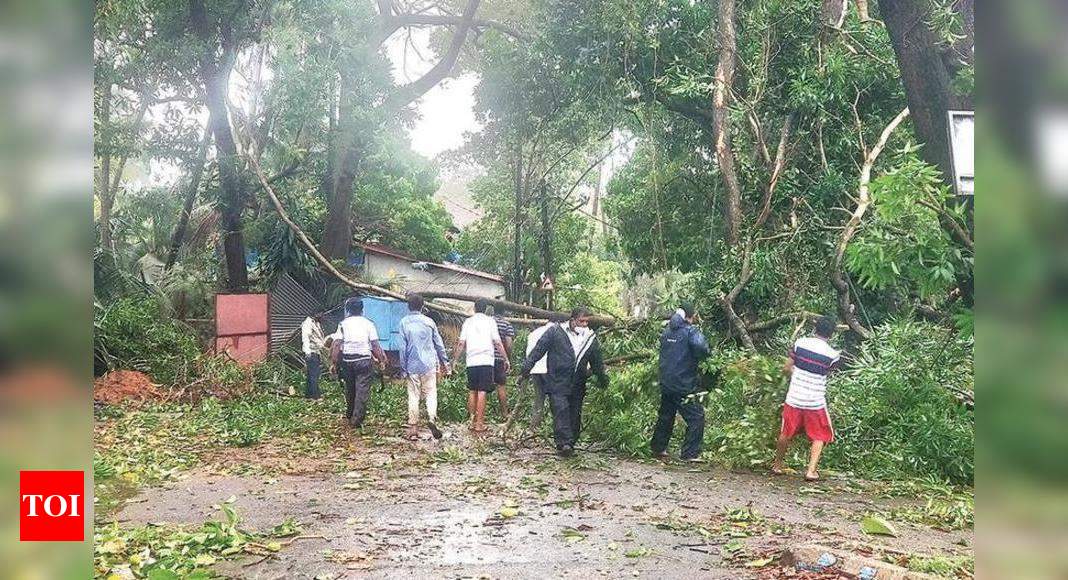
(446, 112)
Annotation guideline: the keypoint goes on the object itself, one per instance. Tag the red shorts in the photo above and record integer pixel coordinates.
(817, 423)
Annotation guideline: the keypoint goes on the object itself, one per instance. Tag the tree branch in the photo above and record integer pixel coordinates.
(776, 169)
(419, 20)
(838, 279)
(404, 95)
(950, 224)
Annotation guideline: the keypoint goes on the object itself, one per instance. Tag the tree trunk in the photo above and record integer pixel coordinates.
(337, 237)
(725, 34)
(103, 184)
(862, 10)
(197, 170)
(833, 12)
(341, 179)
(927, 70)
(517, 237)
(216, 79)
(546, 243)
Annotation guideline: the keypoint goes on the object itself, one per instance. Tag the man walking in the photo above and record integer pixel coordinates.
(312, 341)
(479, 339)
(422, 354)
(556, 346)
(500, 374)
(682, 346)
(588, 361)
(359, 345)
(538, 371)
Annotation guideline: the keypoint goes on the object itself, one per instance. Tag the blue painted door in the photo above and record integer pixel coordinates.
(386, 316)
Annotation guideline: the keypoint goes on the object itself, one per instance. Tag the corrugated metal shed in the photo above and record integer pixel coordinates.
(290, 305)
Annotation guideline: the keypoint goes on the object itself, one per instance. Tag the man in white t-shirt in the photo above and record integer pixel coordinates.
(359, 348)
(539, 370)
(479, 339)
(811, 361)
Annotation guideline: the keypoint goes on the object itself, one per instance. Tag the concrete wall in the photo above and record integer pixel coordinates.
(382, 267)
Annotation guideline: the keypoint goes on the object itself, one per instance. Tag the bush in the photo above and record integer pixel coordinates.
(894, 409)
(136, 333)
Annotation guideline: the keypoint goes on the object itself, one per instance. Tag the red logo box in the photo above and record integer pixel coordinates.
(52, 506)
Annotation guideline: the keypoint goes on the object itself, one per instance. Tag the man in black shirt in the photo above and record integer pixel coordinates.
(564, 384)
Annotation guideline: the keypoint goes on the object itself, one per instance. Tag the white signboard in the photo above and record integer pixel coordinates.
(962, 150)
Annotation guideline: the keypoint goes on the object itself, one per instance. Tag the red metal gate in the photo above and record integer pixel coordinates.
(242, 326)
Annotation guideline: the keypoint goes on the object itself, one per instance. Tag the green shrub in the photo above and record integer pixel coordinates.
(136, 333)
(894, 408)
(743, 414)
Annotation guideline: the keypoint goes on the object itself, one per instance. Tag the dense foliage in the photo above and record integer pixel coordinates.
(894, 408)
(607, 158)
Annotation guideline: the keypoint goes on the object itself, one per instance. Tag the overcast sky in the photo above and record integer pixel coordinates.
(446, 111)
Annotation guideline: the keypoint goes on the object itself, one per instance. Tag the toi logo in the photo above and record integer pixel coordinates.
(52, 506)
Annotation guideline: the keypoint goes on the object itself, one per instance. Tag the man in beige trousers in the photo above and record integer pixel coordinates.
(422, 354)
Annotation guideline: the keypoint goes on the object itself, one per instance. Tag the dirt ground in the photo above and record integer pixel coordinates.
(385, 507)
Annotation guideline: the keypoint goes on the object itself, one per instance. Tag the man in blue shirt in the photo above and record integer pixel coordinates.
(422, 354)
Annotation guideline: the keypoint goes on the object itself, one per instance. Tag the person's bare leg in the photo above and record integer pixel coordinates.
(814, 460)
(480, 411)
(780, 455)
(502, 398)
(471, 407)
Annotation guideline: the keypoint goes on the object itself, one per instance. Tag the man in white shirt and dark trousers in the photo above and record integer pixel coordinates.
(312, 340)
(565, 347)
(479, 339)
(538, 371)
(811, 361)
(359, 348)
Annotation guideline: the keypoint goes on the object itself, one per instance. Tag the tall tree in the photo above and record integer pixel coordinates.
(724, 79)
(350, 142)
(934, 42)
(219, 48)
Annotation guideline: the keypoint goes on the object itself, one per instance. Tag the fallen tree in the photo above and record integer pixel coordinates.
(312, 250)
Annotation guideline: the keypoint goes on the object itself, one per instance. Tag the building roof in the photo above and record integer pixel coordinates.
(394, 253)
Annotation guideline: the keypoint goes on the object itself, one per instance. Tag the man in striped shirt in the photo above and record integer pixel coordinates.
(811, 360)
(500, 372)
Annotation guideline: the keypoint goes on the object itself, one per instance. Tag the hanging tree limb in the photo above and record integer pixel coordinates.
(371, 288)
(838, 278)
(541, 313)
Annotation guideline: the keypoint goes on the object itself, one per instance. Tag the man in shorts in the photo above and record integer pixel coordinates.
(500, 373)
(479, 340)
(811, 361)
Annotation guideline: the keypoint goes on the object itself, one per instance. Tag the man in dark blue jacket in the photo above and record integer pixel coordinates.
(682, 346)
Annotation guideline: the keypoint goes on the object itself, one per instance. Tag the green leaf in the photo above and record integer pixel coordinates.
(161, 574)
(877, 526)
(571, 535)
(509, 512)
